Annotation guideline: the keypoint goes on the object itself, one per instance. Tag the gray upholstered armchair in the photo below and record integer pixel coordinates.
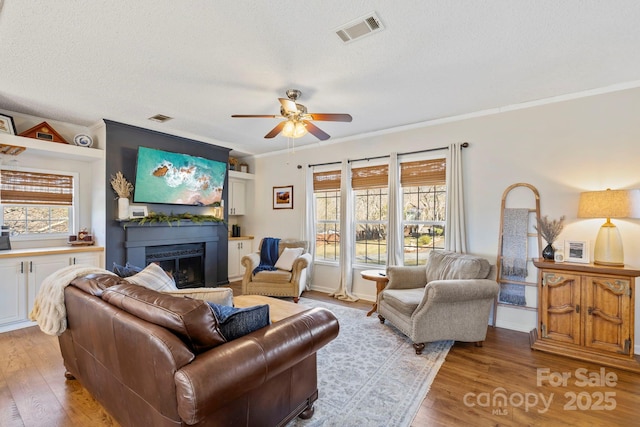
(280, 282)
(448, 299)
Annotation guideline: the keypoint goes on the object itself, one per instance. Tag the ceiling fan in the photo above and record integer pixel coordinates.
(297, 120)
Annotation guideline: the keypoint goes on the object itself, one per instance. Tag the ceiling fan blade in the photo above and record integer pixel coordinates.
(276, 130)
(328, 117)
(265, 116)
(316, 131)
(288, 105)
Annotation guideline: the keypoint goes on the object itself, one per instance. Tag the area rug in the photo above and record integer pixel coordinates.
(370, 374)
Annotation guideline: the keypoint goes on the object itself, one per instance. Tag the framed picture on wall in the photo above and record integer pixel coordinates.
(576, 251)
(283, 197)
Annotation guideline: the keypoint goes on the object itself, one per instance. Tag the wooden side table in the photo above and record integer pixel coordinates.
(381, 279)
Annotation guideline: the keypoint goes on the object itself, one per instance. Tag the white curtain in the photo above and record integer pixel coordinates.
(343, 292)
(309, 231)
(394, 230)
(456, 233)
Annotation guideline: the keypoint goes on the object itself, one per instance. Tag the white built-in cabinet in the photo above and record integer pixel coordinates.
(22, 272)
(238, 247)
(238, 192)
(237, 197)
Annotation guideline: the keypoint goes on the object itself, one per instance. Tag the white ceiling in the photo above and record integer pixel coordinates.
(202, 61)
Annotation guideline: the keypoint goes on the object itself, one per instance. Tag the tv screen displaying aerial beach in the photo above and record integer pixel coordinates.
(177, 179)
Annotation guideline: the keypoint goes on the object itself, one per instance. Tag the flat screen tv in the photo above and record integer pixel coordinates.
(177, 179)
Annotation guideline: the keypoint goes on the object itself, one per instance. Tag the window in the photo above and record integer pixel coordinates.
(370, 188)
(424, 197)
(36, 204)
(326, 187)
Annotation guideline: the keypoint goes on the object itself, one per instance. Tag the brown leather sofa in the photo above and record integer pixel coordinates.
(175, 369)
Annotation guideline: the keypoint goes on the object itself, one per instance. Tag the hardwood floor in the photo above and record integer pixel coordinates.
(34, 392)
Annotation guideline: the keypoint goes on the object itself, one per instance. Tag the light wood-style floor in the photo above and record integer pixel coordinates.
(34, 392)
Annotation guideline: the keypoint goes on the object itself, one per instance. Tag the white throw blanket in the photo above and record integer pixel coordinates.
(49, 309)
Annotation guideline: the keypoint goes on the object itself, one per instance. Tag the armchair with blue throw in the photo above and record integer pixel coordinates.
(448, 299)
(278, 269)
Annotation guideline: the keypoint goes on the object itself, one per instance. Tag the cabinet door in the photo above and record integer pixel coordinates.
(38, 268)
(607, 317)
(237, 191)
(234, 259)
(560, 311)
(90, 258)
(13, 288)
(238, 249)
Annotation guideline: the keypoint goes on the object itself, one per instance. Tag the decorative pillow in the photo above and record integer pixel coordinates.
(236, 322)
(153, 277)
(287, 257)
(125, 270)
(190, 319)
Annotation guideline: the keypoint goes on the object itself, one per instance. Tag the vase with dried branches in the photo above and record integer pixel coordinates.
(549, 230)
(123, 189)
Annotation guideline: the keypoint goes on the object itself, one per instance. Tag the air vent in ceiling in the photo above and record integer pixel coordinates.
(360, 27)
(160, 118)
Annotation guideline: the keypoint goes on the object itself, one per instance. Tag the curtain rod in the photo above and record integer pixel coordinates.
(463, 145)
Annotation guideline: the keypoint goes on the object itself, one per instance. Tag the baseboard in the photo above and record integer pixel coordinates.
(16, 326)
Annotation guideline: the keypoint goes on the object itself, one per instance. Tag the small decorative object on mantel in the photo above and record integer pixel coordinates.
(244, 167)
(549, 231)
(45, 132)
(123, 189)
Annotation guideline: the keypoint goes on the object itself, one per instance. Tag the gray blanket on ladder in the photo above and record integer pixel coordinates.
(514, 254)
(514, 243)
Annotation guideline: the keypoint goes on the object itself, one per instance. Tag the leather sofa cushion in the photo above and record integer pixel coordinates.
(190, 319)
(445, 265)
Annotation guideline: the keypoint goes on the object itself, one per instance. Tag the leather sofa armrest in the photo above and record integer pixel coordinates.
(461, 290)
(406, 277)
(208, 383)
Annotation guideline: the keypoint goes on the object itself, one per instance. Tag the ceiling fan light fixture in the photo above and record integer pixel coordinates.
(294, 129)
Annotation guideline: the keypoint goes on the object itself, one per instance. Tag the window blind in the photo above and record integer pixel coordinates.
(326, 181)
(33, 188)
(370, 177)
(423, 172)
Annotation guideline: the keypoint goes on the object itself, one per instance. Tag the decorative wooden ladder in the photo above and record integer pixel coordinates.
(534, 214)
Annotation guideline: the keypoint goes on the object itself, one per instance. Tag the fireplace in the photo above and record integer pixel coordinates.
(184, 262)
(189, 252)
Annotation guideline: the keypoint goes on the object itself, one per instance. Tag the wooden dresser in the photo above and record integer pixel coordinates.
(586, 311)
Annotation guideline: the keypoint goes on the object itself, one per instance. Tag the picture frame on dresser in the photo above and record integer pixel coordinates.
(576, 251)
(7, 125)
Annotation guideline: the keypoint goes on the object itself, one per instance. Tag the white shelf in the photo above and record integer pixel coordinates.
(240, 175)
(52, 149)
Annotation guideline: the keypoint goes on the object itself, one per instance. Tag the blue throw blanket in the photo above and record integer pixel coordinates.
(268, 255)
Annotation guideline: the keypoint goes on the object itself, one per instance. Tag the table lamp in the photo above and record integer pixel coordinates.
(609, 204)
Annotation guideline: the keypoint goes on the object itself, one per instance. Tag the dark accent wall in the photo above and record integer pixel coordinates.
(121, 150)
